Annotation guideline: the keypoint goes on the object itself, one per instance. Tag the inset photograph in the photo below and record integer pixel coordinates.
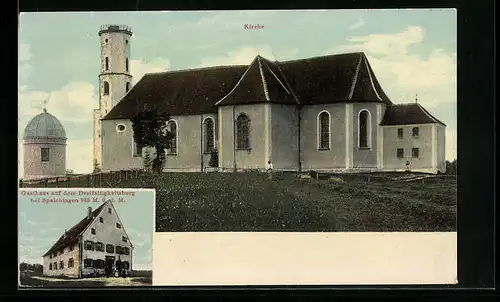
(85, 237)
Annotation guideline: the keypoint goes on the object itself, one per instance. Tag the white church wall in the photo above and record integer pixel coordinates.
(117, 147)
(189, 140)
(365, 158)
(391, 142)
(284, 141)
(441, 143)
(312, 158)
(34, 167)
(257, 156)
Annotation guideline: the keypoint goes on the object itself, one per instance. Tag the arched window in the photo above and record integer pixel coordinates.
(106, 88)
(126, 64)
(242, 132)
(107, 63)
(364, 129)
(127, 87)
(172, 142)
(209, 135)
(324, 130)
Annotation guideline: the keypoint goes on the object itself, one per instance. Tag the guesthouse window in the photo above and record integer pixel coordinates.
(400, 132)
(414, 131)
(414, 152)
(50, 266)
(110, 248)
(242, 132)
(98, 263)
(109, 210)
(127, 87)
(71, 248)
(101, 220)
(324, 131)
(124, 239)
(61, 264)
(119, 249)
(99, 246)
(106, 88)
(126, 265)
(55, 265)
(45, 154)
(209, 135)
(364, 129)
(71, 262)
(400, 153)
(118, 226)
(87, 262)
(172, 142)
(92, 231)
(126, 251)
(88, 245)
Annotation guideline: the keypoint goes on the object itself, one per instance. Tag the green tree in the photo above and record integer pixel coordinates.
(150, 130)
(214, 160)
(147, 161)
(451, 167)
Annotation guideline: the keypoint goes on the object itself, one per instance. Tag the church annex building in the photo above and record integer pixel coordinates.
(326, 113)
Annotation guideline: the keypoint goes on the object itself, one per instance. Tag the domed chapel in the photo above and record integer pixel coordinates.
(44, 144)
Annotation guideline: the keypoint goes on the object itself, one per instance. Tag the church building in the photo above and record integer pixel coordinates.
(325, 113)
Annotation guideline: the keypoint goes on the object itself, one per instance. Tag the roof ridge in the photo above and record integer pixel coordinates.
(323, 56)
(355, 78)
(264, 83)
(195, 69)
(429, 114)
(237, 83)
(371, 78)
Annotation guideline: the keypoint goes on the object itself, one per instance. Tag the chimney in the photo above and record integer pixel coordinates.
(89, 212)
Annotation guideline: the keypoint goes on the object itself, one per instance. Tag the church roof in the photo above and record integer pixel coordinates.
(44, 125)
(72, 234)
(328, 79)
(185, 92)
(260, 84)
(405, 114)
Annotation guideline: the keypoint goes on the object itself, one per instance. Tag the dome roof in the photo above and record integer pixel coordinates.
(44, 125)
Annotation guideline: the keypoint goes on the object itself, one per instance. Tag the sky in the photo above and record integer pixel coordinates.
(412, 52)
(41, 224)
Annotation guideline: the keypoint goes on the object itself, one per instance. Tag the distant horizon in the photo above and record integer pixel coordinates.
(412, 52)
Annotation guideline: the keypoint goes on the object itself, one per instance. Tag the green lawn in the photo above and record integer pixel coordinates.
(251, 202)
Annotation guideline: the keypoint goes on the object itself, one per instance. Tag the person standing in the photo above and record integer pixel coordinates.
(269, 169)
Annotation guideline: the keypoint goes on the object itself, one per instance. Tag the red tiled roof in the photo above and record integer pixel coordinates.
(405, 114)
(73, 233)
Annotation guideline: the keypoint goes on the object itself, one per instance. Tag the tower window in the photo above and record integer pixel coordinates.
(126, 41)
(106, 41)
(45, 154)
(126, 64)
(106, 88)
(107, 63)
(127, 87)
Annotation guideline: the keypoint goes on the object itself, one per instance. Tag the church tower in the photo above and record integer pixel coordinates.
(115, 79)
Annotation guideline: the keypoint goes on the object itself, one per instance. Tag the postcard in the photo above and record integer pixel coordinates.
(85, 237)
(271, 138)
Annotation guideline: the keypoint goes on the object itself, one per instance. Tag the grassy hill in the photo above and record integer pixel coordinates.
(251, 202)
